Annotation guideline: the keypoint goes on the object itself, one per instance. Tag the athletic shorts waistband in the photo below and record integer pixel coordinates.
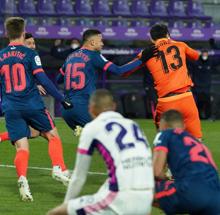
(175, 97)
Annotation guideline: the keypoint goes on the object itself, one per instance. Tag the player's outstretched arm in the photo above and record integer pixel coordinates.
(59, 210)
(60, 76)
(52, 90)
(49, 86)
(148, 53)
(60, 79)
(191, 54)
(79, 176)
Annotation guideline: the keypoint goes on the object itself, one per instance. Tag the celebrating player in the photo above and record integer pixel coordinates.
(196, 186)
(171, 79)
(123, 147)
(22, 104)
(80, 74)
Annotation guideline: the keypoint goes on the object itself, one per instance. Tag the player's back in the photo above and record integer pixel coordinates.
(125, 151)
(187, 157)
(169, 69)
(80, 73)
(19, 91)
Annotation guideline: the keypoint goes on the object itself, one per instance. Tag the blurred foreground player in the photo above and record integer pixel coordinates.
(196, 187)
(79, 73)
(22, 104)
(171, 79)
(124, 148)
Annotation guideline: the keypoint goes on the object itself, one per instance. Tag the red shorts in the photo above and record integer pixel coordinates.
(185, 104)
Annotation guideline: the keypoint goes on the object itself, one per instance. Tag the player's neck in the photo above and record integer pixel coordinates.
(85, 46)
(17, 41)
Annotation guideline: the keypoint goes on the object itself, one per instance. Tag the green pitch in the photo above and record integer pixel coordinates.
(46, 192)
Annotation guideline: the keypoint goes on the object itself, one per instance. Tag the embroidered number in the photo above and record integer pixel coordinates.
(122, 133)
(176, 57)
(14, 78)
(199, 152)
(75, 77)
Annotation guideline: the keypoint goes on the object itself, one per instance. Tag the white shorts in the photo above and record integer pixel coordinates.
(105, 202)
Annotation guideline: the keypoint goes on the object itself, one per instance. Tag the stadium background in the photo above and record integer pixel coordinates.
(125, 24)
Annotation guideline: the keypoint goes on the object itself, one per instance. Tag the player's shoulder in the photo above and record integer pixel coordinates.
(98, 55)
(160, 136)
(3, 50)
(91, 128)
(178, 43)
(166, 136)
(30, 51)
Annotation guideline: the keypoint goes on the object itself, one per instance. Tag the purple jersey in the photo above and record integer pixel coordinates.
(18, 65)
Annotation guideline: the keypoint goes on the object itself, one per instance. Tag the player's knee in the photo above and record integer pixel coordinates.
(50, 134)
(34, 133)
(22, 144)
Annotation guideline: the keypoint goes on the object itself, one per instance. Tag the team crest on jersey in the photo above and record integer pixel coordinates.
(157, 139)
(37, 60)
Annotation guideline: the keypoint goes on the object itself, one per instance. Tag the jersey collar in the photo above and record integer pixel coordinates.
(15, 44)
(162, 39)
(86, 48)
(109, 114)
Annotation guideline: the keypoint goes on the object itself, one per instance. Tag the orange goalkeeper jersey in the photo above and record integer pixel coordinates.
(169, 70)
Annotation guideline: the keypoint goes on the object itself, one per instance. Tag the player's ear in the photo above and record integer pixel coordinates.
(6, 35)
(92, 110)
(92, 42)
(153, 41)
(114, 106)
(23, 35)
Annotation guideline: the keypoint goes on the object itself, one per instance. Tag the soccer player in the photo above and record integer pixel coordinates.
(171, 79)
(196, 186)
(79, 73)
(30, 43)
(124, 148)
(22, 104)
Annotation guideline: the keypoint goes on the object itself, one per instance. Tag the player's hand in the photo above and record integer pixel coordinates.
(42, 91)
(149, 52)
(67, 104)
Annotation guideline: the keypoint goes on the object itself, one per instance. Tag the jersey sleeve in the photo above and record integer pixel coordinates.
(161, 142)
(106, 65)
(126, 74)
(191, 54)
(86, 143)
(62, 69)
(36, 65)
(101, 62)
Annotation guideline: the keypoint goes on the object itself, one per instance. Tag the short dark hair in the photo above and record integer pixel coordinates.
(14, 27)
(102, 99)
(159, 31)
(28, 36)
(89, 33)
(172, 116)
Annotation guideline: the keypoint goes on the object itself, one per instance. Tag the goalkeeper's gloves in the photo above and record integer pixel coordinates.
(67, 104)
(149, 52)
